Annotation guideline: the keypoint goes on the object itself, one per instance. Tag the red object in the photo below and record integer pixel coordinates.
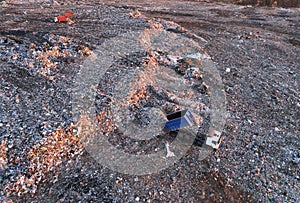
(61, 19)
(69, 14)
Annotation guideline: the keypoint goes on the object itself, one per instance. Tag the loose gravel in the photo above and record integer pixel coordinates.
(257, 52)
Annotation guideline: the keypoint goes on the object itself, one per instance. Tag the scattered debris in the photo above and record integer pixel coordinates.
(60, 19)
(169, 153)
(55, 3)
(259, 158)
(135, 14)
(69, 14)
(65, 19)
(3, 156)
(84, 50)
(3, 4)
(44, 157)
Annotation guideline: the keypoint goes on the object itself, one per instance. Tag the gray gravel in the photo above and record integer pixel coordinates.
(257, 52)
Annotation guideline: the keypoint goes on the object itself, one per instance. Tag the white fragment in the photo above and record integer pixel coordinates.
(198, 56)
(174, 59)
(137, 199)
(79, 129)
(227, 70)
(169, 153)
(55, 3)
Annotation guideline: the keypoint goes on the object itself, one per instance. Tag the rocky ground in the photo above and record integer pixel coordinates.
(256, 50)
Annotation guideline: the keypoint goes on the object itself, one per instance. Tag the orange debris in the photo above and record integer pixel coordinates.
(69, 14)
(60, 19)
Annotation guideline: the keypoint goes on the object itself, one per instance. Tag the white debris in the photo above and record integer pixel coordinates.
(198, 56)
(169, 153)
(174, 59)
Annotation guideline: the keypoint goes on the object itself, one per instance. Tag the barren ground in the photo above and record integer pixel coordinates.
(257, 53)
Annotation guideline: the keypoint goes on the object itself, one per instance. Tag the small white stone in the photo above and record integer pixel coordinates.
(137, 199)
(227, 70)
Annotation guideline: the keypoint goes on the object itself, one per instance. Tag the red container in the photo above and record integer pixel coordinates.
(61, 19)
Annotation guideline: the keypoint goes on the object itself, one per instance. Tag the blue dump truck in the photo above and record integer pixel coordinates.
(185, 118)
(180, 119)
